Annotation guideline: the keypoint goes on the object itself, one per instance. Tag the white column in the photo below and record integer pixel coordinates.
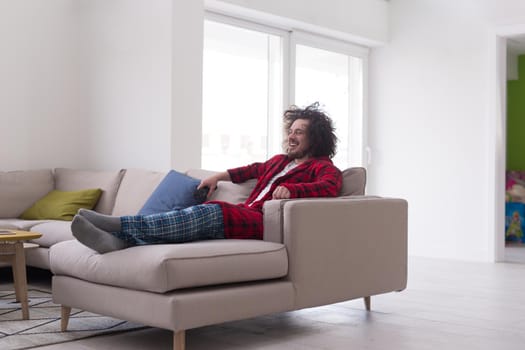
(186, 107)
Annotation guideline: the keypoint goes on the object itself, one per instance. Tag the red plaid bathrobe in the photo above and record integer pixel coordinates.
(316, 177)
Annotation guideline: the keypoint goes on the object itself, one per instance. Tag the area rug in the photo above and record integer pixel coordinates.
(43, 327)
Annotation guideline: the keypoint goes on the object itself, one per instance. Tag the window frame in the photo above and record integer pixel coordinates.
(274, 122)
(292, 37)
(298, 37)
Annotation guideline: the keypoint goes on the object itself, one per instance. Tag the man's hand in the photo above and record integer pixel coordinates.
(211, 182)
(281, 192)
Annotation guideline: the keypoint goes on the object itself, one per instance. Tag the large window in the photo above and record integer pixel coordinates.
(242, 91)
(332, 73)
(252, 73)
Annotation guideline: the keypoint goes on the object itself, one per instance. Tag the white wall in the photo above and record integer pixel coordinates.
(187, 49)
(126, 52)
(431, 121)
(85, 83)
(41, 93)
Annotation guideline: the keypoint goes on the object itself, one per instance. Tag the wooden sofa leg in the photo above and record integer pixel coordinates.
(64, 320)
(367, 303)
(179, 340)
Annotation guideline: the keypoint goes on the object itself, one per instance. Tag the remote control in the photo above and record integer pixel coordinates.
(200, 195)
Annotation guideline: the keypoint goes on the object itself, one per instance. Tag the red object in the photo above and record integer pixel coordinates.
(316, 177)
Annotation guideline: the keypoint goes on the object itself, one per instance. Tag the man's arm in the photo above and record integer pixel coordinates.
(254, 170)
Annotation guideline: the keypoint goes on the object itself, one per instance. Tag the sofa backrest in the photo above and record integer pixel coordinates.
(107, 180)
(138, 184)
(354, 182)
(226, 191)
(135, 188)
(124, 191)
(19, 190)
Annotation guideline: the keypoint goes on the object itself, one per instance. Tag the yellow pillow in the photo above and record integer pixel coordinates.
(62, 205)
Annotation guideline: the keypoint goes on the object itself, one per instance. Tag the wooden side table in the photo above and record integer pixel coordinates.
(12, 251)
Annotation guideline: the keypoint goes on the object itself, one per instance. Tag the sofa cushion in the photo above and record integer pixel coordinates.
(175, 192)
(135, 188)
(164, 267)
(52, 232)
(107, 181)
(20, 189)
(61, 205)
(226, 191)
(8, 224)
(354, 182)
(19, 224)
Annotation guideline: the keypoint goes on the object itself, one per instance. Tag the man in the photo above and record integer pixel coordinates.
(304, 171)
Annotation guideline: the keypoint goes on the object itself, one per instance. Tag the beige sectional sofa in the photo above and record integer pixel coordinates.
(19, 190)
(315, 252)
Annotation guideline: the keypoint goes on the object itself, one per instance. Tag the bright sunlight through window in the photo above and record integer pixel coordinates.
(245, 84)
(242, 88)
(333, 79)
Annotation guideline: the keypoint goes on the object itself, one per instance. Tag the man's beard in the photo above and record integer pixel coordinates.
(296, 154)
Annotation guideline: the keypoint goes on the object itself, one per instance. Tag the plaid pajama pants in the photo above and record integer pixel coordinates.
(199, 222)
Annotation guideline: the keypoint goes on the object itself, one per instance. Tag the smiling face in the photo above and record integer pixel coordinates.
(298, 144)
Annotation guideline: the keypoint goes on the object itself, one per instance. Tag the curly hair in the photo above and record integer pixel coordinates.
(321, 131)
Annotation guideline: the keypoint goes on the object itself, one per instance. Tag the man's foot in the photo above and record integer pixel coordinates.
(95, 238)
(104, 222)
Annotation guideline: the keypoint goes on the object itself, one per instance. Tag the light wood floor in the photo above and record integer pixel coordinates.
(447, 305)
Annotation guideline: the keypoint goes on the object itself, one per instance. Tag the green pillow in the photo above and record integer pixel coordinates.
(62, 205)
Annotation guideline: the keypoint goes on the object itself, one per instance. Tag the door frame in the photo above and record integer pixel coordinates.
(497, 134)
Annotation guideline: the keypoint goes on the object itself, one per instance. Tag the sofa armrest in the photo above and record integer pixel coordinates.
(344, 248)
(273, 215)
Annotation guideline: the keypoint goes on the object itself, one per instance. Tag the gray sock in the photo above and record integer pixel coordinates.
(95, 238)
(104, 222)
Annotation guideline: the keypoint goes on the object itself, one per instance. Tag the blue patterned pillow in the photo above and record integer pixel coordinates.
(174, 192)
